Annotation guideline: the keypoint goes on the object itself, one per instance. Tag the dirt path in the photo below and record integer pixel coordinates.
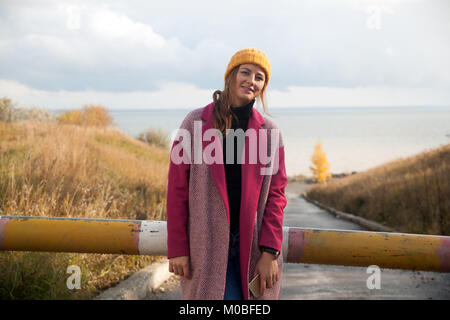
(303, 281)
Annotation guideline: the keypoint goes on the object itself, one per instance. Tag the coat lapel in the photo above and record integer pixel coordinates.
(250, 188)
(217, 169)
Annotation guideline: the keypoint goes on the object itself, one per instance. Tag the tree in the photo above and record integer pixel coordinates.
(320, 168)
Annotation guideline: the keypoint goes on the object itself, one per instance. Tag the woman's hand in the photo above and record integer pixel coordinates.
(267, 268)
(180, 266)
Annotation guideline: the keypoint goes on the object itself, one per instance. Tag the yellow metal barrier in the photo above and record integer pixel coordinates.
(360, 248)
(315, 246)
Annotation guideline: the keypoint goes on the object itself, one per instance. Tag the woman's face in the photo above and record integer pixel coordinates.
(250, 80)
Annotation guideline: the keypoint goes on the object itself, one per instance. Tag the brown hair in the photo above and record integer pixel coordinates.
(223, 116)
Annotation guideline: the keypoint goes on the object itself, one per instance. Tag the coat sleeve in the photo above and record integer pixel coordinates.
(178, 202)
(271, 234)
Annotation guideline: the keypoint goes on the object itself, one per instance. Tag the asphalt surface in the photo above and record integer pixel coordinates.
(319, 282)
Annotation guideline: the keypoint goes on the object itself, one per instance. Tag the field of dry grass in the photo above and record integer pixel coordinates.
(61, 170)
(410, 194)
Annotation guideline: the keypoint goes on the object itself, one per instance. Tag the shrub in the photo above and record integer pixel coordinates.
(156, 137)
(89, 115)
(9, 112)
(6, 110)
(72, 117)
(97, 116)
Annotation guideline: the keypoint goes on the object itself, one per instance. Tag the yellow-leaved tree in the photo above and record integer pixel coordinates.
(321, 166)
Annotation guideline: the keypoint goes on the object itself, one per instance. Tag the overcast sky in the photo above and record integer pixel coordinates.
(173, 54)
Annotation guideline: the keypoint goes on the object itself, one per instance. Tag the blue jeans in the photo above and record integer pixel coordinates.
(233, 287)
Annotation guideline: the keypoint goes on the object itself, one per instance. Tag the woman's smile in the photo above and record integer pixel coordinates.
(247, 90)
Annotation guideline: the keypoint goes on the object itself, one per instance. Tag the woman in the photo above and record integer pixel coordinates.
(224, 216)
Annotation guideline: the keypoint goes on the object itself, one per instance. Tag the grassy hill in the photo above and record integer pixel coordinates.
(60, 170)
(410, 194)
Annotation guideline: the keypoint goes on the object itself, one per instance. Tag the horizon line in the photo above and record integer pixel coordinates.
(271, 108)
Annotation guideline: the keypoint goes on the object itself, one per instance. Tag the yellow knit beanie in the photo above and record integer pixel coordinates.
(250, 55)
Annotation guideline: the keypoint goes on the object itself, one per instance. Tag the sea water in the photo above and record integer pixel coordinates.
(353, 138)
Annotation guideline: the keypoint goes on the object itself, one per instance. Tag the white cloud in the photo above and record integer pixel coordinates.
(115, 46)
(112, 26)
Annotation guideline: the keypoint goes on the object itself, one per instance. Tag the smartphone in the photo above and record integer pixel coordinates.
(253, 286)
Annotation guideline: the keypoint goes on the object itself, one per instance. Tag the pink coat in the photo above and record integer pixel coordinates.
(198, 217)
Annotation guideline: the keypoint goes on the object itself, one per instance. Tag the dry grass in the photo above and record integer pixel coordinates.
(50, 169)
(410, 194)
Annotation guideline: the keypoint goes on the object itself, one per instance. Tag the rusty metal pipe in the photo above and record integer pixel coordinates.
(311, 246)
(83, 235)
(363, 248)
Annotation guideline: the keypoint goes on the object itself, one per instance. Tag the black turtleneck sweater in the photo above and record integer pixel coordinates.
(233, 170)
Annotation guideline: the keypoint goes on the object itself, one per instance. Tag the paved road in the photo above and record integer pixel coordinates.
(306, 282)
